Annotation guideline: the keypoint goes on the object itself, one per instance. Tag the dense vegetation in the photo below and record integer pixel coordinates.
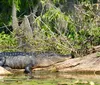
(57, 26)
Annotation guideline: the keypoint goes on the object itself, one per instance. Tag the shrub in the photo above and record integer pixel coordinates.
(7, 42)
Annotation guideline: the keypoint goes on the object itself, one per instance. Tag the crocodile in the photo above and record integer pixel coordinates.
(17, 60)
(27, 61)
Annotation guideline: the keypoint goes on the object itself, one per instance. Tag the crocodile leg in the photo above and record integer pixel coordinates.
(28, 70)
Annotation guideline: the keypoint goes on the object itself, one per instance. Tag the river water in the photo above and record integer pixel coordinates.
(48, 78)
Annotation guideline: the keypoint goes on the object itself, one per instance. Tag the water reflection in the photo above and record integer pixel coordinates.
(67, 75)
(38, 75)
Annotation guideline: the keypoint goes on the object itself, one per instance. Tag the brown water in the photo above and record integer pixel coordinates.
(47, 78)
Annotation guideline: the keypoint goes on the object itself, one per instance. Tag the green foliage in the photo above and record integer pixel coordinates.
(7, 42)
(58, 1)
(56, 31)
(52, 25)
(95, 33)
(83, 29)
(63, 33)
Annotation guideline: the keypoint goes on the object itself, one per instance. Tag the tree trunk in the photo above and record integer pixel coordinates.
(14, 17)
